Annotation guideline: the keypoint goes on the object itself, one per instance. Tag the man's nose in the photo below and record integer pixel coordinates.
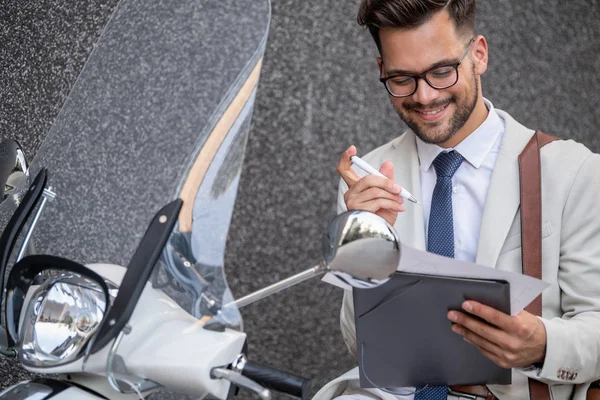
(425, 94)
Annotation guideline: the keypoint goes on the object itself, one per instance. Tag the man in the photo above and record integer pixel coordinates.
(459, 158)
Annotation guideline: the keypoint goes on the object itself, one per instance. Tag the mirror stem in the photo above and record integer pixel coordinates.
(281, 285)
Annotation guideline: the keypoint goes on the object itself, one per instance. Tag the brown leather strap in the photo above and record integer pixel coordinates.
(531, 211)
(479, 391)
(593, 393)
(530, 174)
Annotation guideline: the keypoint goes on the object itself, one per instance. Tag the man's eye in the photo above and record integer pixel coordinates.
(441, 72)
(402, 80)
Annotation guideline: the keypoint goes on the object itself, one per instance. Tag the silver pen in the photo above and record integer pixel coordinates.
(369, 169)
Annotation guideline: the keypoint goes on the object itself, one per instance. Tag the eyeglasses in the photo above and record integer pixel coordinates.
(440, 77)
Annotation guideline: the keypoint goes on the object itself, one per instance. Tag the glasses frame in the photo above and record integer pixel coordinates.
(423, 75)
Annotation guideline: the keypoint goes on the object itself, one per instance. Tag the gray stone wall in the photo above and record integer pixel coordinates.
(318, 94)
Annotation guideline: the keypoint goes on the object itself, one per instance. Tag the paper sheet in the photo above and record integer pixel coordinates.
(523, 289)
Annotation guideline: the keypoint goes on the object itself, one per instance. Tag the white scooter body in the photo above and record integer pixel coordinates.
(149, 351)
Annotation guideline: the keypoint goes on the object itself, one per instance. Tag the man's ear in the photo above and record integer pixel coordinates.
(480, 53)
(379, 63)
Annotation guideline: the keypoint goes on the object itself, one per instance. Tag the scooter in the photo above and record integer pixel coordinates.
(112, 252)
(165, 322)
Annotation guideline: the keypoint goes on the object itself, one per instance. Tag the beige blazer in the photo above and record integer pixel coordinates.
(571, 250)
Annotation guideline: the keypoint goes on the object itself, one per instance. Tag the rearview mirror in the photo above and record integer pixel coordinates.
(360, 248)
(362, 245)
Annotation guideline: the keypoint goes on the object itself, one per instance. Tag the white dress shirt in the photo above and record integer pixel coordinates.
(469, 184)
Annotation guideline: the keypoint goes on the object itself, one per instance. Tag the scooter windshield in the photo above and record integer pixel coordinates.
(161, 111)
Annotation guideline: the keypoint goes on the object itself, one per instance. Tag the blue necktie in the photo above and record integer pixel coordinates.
(441, 235)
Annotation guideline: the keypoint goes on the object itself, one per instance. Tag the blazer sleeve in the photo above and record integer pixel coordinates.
(348, 327)
(573, 341)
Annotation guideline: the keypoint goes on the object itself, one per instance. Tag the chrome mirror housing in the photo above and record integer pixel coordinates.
(362, 245)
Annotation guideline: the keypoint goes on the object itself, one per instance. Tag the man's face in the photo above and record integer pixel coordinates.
(435, 115)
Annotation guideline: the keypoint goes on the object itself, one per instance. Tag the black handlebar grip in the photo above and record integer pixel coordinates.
(277, 380)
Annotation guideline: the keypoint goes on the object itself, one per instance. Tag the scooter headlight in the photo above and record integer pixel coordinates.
(62, 315)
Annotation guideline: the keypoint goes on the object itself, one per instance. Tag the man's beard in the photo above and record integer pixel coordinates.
(457, 121)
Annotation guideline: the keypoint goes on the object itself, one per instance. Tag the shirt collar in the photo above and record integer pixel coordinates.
(474, 148)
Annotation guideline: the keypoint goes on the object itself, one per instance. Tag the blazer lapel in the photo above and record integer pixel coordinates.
(409, 224)
(503, 198)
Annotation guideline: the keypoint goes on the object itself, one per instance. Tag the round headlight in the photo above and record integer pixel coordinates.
(62, 314)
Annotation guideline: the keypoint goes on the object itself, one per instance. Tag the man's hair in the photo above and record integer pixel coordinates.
(408, 14)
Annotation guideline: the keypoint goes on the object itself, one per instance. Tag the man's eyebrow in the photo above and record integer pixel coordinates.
(448, 61)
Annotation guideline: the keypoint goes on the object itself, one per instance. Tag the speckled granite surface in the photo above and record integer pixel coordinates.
(318, 94)
(152, 90)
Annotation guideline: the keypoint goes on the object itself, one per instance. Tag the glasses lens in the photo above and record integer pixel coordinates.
(442, 77)
(401, 85)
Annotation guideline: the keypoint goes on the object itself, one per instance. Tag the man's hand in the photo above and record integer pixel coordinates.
(371, 193)
(510, 342)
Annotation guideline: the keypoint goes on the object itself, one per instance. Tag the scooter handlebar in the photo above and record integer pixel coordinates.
(277, 380)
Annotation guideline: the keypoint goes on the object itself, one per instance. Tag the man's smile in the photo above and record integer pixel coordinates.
(431, 114)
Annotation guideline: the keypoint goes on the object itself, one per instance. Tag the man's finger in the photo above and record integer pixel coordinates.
(480, 328)
(376, 205)
(344, 167)
(477, 340)
(387, 169)
(371, 181)
(374, 192)
(489, 314)
(495, 359)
